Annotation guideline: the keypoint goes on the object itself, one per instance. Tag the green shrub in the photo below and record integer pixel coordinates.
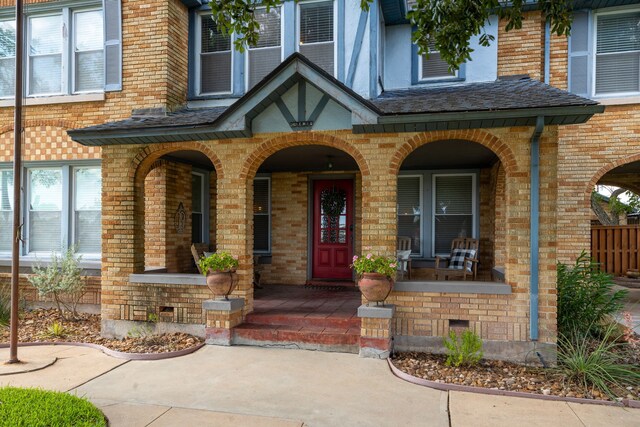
(586, 298)
(218, 262)
(464, 350)
(55, 330)
(40, 408)
(375, 264)
(600, 363)
(61, 280)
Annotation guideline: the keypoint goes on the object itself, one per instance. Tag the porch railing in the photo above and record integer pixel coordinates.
(616, 247)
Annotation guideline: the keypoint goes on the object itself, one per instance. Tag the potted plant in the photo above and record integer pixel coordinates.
(375, 276)
(220, 270)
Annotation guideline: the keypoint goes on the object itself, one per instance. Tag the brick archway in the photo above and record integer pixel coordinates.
(603, 171)
(486, 139)
(143, 162)
(272, 146)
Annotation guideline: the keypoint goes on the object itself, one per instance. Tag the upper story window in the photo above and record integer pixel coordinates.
(604, 53)
(64, 51)
(434, 67)
(267, 54)
(215, 58)
(316, 34)
(617, 53)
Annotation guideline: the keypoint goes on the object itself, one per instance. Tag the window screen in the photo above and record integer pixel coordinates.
(87, 210)
(618, 53)
(45, 210)
(88, 51)
(410, 210)
(6, 210)
(266, 55)
(452, 211)
(261, 214)
(45, 55)
(7, 58)
(316, 34)
(434, 66)
(215, 58)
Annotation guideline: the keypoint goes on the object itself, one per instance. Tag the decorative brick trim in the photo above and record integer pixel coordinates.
(296, 139)
(143, 162)
(486, 139)
(63, 124)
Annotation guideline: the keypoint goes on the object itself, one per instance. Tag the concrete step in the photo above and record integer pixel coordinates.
(343, 340)
(314, 320)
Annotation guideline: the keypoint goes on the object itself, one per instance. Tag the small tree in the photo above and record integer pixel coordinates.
(62, 281)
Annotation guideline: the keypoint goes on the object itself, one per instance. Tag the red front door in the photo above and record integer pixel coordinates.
(332, 228)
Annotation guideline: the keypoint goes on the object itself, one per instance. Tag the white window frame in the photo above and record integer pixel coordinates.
(268, 214)
(421, 78)
(72, 207)
(198, 62)
(474, 207)
(594, 53)
(421, 207)
(65, 205)
(67, 30)
(72, 50)
(282, 40)
(335, 29)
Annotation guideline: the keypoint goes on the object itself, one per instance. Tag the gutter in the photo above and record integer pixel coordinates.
(535, 229)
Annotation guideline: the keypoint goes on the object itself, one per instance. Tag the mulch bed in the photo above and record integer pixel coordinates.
(498, 375)
(34, 324)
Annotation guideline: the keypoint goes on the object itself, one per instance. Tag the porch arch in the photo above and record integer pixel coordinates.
(597, 177)
(486, 139)
(272, 146)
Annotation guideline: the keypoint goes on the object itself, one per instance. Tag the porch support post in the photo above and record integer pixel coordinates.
(221, 317)
(534, 229)
(376, 336)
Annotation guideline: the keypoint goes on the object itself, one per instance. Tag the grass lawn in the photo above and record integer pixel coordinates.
(33, 407)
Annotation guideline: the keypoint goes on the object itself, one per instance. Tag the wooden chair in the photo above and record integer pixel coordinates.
(461, 263)
(403, 255)
(197, 251)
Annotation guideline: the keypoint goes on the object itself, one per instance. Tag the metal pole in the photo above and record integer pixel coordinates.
(17, 169)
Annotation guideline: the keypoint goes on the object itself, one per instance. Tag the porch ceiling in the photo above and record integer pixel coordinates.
(450, 154)
(308, 158)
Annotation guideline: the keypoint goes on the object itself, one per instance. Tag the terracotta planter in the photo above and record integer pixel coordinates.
(222, 283)
(375, 287)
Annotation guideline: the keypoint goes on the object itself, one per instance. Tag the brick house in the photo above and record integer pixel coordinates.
(148, 131)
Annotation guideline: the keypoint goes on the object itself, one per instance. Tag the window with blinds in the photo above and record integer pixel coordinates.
(434, 67)
(315, 28)
(617, 53)
(87, 217)
(453, 210)
(45, 55)
(215, 58)
(45, 210)
(7, 58)
(6, 209)
(262, 214)
(409, 204)
(88, 44)
(266, 55)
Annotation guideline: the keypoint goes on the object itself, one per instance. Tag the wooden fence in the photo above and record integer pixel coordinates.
(616, 247)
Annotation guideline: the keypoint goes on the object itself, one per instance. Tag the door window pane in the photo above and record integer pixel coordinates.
(45, 55)
(45, 210)
(197, 203)
(88, 205)
(261, 214)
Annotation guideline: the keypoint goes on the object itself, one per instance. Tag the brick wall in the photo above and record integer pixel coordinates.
(28, 292)
(155, 221)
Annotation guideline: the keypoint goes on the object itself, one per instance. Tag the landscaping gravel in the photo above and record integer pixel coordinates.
(34, 326)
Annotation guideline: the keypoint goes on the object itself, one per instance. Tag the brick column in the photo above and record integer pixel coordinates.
(376, 330)
(221, 317)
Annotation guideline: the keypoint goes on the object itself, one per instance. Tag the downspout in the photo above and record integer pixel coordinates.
(534, 228)
(547, 50)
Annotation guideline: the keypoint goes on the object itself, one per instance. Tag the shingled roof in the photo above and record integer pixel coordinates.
(512, 101)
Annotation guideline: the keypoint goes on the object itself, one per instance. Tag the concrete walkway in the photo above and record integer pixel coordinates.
(248, 386)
